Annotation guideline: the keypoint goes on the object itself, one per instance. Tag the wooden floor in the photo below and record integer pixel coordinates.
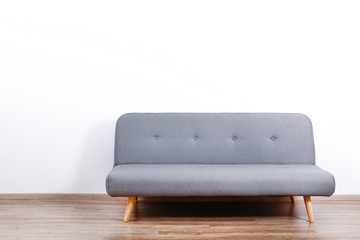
(53, 216)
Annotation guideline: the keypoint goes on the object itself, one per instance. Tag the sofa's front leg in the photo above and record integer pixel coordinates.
(292, 198)
(309, 210)
(129, 206)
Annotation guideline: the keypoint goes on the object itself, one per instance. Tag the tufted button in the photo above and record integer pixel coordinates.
(156, 137)
(195, 138)
(273, 138)
(234, 138)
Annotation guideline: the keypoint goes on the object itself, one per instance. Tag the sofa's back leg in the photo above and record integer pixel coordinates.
(292, 198)
(129, 207)
(309, 210)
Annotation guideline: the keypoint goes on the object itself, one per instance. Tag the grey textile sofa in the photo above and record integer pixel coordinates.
(216, 154)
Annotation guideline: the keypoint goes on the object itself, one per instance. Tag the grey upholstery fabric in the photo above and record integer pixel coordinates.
(218, 138)
(214, 154)
(219, 180)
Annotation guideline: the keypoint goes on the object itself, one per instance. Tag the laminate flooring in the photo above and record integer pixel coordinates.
(97, 216)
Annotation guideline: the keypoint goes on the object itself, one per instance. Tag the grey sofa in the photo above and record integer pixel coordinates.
(216, 154)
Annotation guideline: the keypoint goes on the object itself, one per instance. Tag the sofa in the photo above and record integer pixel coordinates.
(216, 154)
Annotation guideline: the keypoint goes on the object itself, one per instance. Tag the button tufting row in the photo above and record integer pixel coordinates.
(233, 138)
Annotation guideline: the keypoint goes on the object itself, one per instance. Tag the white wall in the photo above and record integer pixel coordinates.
(68, 69)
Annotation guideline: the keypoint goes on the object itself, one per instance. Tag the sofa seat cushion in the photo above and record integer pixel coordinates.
(219, 180)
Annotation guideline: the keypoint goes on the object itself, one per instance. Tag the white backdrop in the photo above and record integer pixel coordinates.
(69, 69)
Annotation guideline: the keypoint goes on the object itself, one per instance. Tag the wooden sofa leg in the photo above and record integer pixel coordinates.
(292, 198)
(309, 210)
(129, 207)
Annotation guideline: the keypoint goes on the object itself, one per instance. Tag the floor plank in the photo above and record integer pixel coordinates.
(97, 216)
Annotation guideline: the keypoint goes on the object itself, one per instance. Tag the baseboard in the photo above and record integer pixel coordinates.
(105, 197)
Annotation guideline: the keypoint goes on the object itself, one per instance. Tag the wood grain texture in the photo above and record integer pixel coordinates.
(97, 216)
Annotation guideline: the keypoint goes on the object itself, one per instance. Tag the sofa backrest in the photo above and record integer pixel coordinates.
(214, 138)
